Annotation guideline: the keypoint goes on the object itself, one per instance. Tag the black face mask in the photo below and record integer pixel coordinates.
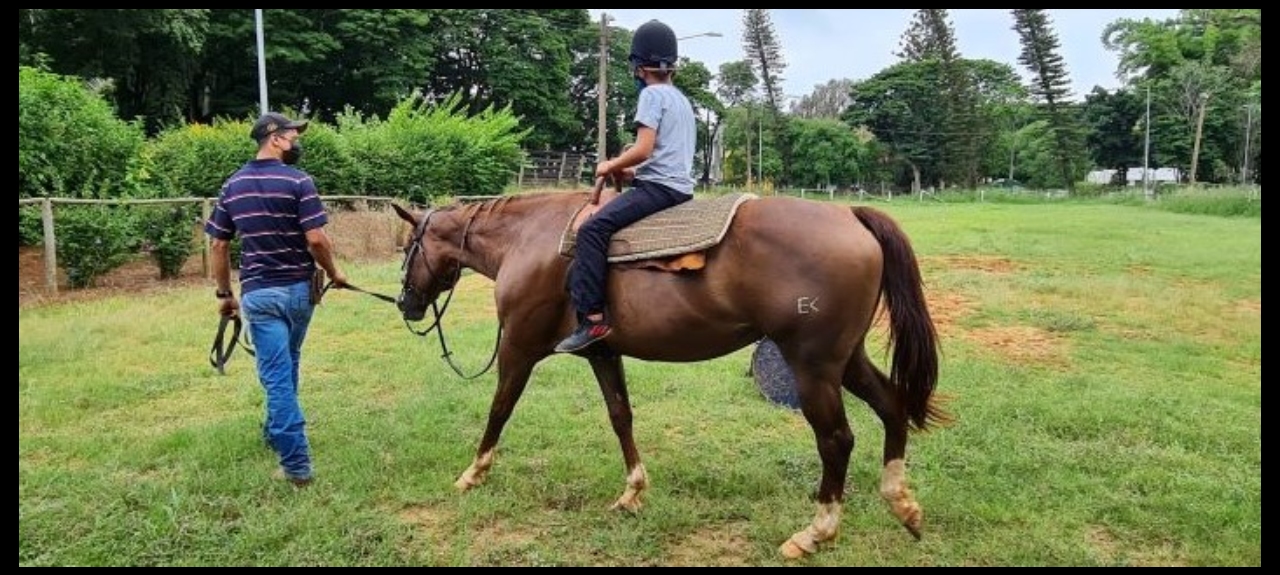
(293, 154)
(640, 83)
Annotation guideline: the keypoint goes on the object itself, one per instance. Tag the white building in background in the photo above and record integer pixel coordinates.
(1134, 176)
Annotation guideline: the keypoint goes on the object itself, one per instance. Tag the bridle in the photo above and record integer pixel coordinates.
(451, 284)
(223, 346)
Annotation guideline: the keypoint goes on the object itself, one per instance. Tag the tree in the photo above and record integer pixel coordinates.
(931, 37)
(829, 150)
(1116, 132)
(1204, 69)
(760, 42)
(147, 57)
(899, 106)
(1000, 111)
(827, 101)
(764, 51)
(1050, 85)
(694, 79)
(1196, 84)
(734, 85)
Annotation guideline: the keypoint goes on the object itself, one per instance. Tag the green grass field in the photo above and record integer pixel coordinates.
(1103, 361)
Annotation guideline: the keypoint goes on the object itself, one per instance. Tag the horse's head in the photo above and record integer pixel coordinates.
(430, 266)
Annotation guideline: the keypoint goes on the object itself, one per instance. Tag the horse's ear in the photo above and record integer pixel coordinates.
(405, 215)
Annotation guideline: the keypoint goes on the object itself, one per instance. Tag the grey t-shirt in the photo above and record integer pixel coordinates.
(665, 108)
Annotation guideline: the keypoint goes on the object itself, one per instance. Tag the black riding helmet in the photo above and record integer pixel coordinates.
(654, 46)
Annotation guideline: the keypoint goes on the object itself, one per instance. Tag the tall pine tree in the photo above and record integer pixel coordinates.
(764, 51)
(931, 37)
(1050, 86)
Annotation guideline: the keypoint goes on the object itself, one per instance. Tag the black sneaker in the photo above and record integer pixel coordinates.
(583, 337)
(294, 480)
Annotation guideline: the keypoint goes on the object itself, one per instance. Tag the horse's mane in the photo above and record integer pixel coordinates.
(499, 203)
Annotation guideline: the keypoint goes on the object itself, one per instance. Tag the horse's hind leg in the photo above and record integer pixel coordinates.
(821, 403)
(613, 384)
(867, 382)
(514, 369)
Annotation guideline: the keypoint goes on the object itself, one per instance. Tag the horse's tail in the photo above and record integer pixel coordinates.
(912, 335)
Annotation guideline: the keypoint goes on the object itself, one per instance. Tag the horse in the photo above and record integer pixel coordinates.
(811, 276)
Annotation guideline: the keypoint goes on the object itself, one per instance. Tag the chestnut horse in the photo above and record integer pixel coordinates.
(808, 275)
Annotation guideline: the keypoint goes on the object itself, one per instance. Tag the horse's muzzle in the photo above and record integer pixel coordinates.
(411, 310)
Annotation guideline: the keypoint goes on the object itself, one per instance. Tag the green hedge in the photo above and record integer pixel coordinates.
(70, 142)
(421, 151)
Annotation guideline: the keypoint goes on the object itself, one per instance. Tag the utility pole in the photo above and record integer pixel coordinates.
(1248, 131)
(1195, 149)
(262, 61)
(760, 149)
(1146, 150)
(602, 89)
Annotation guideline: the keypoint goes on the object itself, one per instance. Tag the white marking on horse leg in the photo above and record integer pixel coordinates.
(474, 475)
(894, 490)
(637, 482)
(826, 523)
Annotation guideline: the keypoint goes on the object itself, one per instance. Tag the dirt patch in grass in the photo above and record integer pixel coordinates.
(1021, 345)
(989, 264)
(723, 545)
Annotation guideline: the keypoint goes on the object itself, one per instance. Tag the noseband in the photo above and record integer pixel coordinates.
(415, 250)
(450, 284)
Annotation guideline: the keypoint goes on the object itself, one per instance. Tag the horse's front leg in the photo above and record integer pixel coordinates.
(514, 368)
(613, 384)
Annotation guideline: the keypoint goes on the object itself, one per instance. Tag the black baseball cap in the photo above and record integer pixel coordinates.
(273, 122)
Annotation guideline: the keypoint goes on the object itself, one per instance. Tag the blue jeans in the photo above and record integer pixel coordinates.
(591, 248)
(278, 321)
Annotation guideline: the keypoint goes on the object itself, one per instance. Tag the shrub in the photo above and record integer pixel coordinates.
(423, 151)
(195, 160)
(93, 240)
(169, 233)
(70, 142)
(1212, 201)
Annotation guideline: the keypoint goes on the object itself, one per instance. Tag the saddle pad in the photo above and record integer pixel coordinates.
(692, 226)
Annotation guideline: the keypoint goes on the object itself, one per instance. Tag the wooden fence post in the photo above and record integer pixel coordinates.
(205, 211)
(50, 247)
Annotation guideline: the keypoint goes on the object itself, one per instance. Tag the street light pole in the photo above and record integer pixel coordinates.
(602, 94)
(1146, 150)
(262, 61)
(760, 150)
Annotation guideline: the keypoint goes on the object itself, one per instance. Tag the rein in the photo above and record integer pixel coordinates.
(222, 347)
(438, 311)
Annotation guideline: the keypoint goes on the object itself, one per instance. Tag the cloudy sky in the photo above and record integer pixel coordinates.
(823, 45)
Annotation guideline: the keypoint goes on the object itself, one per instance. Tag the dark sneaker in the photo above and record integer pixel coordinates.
(293, 480)
(583, 337)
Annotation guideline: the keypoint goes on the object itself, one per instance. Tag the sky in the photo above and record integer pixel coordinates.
(823, 45)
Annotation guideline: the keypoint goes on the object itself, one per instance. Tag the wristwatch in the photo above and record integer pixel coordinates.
(223, 294)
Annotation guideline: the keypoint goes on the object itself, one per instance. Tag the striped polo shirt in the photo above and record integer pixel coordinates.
(271, 206)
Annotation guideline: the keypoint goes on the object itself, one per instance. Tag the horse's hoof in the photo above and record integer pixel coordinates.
(630, 506)
(912, 519)
(792, 551)
(464, 484)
